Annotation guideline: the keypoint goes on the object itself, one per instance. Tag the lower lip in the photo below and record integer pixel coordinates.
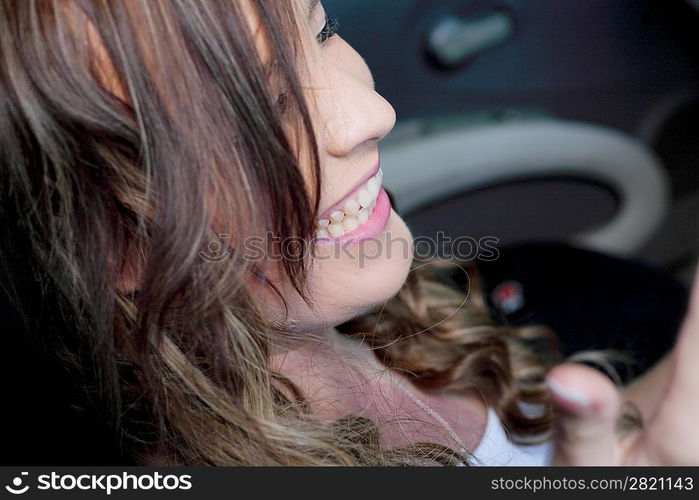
(374, 226)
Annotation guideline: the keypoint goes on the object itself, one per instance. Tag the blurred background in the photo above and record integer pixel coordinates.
(564, 120)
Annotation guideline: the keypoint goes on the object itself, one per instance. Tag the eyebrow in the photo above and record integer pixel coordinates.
(312, 6)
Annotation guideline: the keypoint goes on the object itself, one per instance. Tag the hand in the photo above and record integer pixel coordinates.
(588, 408)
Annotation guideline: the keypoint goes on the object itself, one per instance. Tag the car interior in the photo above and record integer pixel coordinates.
(568, 132)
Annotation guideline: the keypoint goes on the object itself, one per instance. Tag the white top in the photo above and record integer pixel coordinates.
(496, 449)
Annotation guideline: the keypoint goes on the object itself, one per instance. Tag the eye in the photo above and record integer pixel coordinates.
(282, 102)
(329, 29)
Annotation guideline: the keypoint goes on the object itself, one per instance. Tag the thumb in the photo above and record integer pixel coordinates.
(685, 370)
(587, 407)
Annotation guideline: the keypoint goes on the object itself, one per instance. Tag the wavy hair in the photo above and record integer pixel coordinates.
(132, 133)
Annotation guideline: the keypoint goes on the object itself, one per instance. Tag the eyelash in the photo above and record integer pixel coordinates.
(329, 30)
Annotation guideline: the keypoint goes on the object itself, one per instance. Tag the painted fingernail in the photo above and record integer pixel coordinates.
(571, 395)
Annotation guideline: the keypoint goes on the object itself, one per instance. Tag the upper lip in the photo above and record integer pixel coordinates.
(341, 204)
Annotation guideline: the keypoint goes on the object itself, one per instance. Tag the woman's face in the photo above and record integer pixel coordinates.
(363, 249)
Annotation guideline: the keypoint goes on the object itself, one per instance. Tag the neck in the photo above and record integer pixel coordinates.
(339, 376)
(328, 367)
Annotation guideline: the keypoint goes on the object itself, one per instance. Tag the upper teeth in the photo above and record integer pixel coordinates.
(355, 212)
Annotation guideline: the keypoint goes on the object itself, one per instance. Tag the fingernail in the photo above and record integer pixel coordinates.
(570, 395)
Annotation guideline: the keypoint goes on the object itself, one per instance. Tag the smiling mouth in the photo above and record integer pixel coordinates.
(354, 211)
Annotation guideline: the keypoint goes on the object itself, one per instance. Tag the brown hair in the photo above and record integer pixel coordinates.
(128, 132)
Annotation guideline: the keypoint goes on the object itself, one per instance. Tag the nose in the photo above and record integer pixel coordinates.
(354, 113)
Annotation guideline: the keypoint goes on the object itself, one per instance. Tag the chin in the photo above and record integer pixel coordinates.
(387, 275)
(345, 287)
(379, 275)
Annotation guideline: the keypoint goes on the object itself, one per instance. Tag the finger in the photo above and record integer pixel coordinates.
(685, 368)
(587, 409)
(673, 419)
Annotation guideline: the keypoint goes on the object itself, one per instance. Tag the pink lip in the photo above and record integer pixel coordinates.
(341, 204)
(374, 226)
